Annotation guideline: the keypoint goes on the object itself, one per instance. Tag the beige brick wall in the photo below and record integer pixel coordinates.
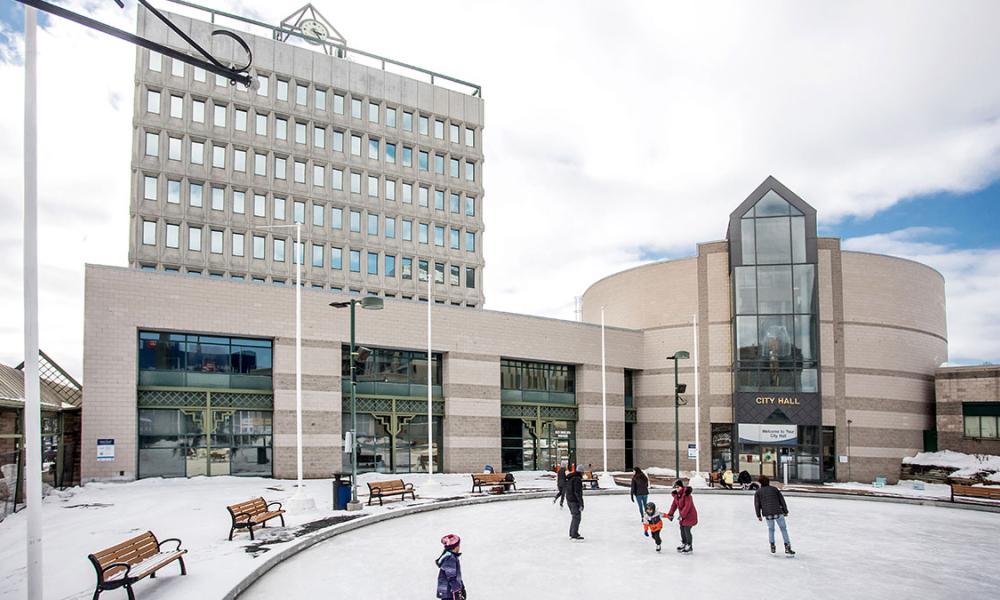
(654, 295)
(955, 385)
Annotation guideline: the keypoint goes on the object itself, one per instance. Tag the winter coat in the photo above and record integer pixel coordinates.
(561, 478)
(574, 488)
(640, 487)
(652, 523)
(450, 574)
(745, 477)
(728, 476)
(769, 502)
(684, 505)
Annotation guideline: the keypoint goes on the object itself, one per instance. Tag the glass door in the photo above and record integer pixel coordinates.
(196, 454)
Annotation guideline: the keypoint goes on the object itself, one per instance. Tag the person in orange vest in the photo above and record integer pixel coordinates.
(652, 524)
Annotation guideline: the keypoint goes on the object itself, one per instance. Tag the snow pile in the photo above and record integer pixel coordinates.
(903, 489)
(966, 465)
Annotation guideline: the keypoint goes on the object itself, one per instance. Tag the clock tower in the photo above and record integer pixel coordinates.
(308, 24)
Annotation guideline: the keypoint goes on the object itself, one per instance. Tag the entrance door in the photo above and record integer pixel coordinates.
(196, 453)
(768, 461)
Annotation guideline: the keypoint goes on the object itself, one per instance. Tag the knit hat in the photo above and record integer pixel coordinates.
(679, 484)
(451, 541)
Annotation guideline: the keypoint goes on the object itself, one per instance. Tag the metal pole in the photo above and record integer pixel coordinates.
(298, 355)
(354, 420)
(677, 422)
(604, 394)
(697, 411)
(32, 405)
(849, 449)
(430, 382)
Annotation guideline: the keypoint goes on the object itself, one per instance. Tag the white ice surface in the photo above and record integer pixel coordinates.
(847, 549)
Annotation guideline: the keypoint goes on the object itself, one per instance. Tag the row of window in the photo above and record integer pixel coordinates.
(263, 122)
(318, 252)
(239, 159)
(326, 100)
(279, 281)
(196, 191)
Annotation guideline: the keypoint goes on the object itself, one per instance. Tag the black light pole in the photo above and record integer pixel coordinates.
(677, 401)
(371, 303)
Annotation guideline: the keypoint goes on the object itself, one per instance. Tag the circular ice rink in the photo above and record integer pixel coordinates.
(521, 549)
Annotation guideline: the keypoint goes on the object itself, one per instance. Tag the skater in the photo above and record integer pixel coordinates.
(770, 504)
(561, 485)
(687, 514)
(744, 480)
(449, 583)
(639, 491)
(574, 497)
(652, 523)
(727, 479)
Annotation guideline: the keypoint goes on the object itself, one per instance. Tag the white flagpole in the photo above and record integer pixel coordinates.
(604, 394)
(300, 501)
(32, 403)
(430, 380)
(697, 411)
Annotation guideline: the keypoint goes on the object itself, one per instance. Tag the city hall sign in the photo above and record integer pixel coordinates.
(764, 407)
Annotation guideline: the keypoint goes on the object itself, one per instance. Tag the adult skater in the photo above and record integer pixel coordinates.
(574, 497)
(639, 490)
(450, 585)
(769, 503)
(744, 480)
(652, 523)
(727, 479)
(687, 514)
(561, 485)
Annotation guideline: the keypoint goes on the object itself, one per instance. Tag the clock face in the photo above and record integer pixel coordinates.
(314, 31)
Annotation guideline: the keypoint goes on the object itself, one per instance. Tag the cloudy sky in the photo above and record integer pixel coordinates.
(628, 130)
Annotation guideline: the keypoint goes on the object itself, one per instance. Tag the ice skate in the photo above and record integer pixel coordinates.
(772, 549)
(788, 550)
(687, 550)
(657, 547)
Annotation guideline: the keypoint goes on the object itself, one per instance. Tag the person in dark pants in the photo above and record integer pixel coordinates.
(561, 485)
(639, 490)
(770, 504)
(574, 497)
(652, 523)
(687, 514)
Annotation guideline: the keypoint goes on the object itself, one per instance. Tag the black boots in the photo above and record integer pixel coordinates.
(772, 548)
(788, 550)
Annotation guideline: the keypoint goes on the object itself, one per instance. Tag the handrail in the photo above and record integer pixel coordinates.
(476, 88)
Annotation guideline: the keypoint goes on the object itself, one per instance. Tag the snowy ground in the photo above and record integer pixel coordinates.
(847, 549)
(84, 520)
(965, 465)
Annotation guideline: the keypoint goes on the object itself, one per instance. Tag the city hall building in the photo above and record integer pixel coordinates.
(802, 355)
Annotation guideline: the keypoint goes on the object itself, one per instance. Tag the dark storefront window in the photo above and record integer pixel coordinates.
(390, 372)
(525, 448)
(524, 381)
(722, 446)
(192, 360)
(405, 452)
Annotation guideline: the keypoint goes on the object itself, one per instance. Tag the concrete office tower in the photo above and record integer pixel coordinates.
(384, 171)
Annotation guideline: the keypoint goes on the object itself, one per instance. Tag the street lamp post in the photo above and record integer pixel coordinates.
(680, 354)
(849, 449)
(371, 303)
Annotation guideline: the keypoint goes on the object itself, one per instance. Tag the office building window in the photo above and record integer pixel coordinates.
(280, 167)
(373, 263)
(390, 117)
(422, 195)
(300, 132)
(390, 189)
(338, 104)
(455, 275)
(153, 102)
(338, 141)
(407, 230)
(372, 186)
(470, 137)
(407, 268)
(336, 258)
(337, 218)
(470, 241)
(319, 175)
(239, 160)
(439, 273)
(320, 99)
(216, 241)
(372, 224)
(390, 227)
(423, 233)
(263, 82)
(423, 125)
(149, 233)
(279, 208)
(355, 183)
(439, 164)
(299, 212)
(152, 144)
(439, 236)
(280, 128)
(194, 239)
(408, 193)
(422, 270)
(260, 164)
(301, 95)
(174, 148)
(177, 107)
(439, 200)
(317, 259)
(455, 203)
(258, 247)
(259, 205)
(197, 153)
(336, 179)
(439, 129)
(355, 108)
(174, 191)
(239, 202)
(218, 156)
(470, 206)
(407, 156)
(454, 133)
(260, 124)
(356, 145)
(373, 150)
(407, 121)
(470, 277)
(390, 153)
(155, 61)
(355, 261)
(318, 213)
(453, 168)
(198, 111)
(470, 171)
(173, 235)
(220, 115)
(149, 187)
(240, 119)
(281, 90)
(356, 221)
(279, 250)
(218, 198)
(176, 68)
(239, 244)
(319, 137)
(373, 112)
(454, 238)
(195, 191)
(390, 265)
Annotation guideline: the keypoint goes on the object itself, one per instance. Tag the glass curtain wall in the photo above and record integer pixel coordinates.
(775, 302)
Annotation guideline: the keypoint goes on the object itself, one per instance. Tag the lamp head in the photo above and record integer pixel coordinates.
(681, 388)
(679, 355)
(372, 303)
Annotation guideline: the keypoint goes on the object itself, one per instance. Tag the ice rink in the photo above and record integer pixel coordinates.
(520, 549)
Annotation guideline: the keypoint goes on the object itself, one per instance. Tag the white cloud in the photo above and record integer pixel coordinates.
(972, 280)
(611, 128)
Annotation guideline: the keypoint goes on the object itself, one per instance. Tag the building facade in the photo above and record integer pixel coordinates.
(968, 409)
(383, 171)
(803, 357)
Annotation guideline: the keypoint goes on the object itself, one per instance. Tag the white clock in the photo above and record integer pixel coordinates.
(313, 31)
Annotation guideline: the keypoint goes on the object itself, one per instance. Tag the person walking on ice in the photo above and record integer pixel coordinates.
(574, 497)
(686, 512)
(560, 485)
(639, 491)
(652, 523)
(770, 504)
(449, 584)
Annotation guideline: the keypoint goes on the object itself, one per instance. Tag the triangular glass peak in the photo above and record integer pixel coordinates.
(772, 205)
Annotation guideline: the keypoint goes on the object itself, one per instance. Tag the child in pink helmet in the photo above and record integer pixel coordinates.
(449, 584)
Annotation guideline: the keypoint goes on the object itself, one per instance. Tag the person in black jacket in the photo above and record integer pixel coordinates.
(770, 504)
(639, 491)
(561, 485)
(574, 497)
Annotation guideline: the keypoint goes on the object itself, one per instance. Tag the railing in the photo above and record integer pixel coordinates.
(340, 49)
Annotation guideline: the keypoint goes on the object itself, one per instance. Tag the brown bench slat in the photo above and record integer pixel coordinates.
(392, 487)
(143, 558)
(958, 489)
(247, 514)
(481, 479)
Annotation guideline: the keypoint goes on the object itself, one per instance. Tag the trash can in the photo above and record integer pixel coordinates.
(341, 490)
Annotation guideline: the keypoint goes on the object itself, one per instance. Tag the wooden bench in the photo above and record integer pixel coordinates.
(973, 491)
(247, 515)
(588, 477)
(394, 487)
(491, 479)
(128, 562)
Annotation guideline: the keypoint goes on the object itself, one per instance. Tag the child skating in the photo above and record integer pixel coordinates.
(687, 514)
(652, 524)
(449, 584)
